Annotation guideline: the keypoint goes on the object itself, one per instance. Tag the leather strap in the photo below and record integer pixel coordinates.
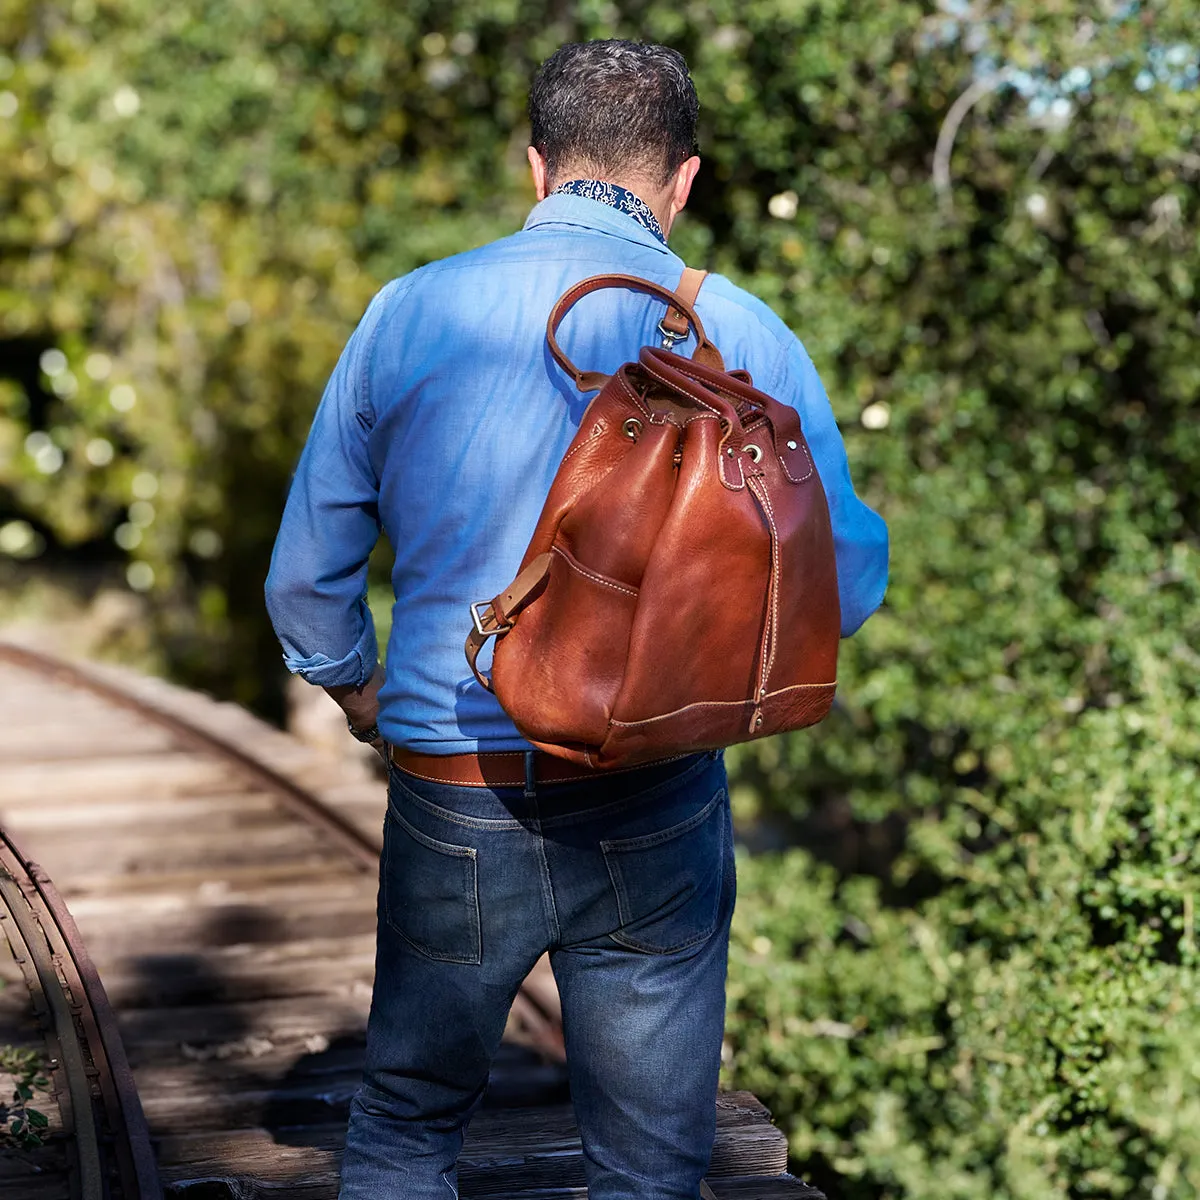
(498, 615)
(497, 769)
(687, 289)
(590, 381)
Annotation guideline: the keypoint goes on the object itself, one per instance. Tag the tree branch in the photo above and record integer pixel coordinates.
(949, 130)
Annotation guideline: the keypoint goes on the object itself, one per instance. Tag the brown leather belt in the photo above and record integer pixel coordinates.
(499, 768)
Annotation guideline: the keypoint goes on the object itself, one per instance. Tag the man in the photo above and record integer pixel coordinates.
(444, 424)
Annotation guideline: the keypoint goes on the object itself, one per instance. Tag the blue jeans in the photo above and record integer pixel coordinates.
(628, 882)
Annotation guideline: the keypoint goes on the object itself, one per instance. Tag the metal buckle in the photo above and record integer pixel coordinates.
(668, 337)
(479, 629)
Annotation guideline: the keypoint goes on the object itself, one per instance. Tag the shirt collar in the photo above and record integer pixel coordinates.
(591, 215)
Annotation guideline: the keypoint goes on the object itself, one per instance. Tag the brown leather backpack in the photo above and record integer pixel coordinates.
(680, 590)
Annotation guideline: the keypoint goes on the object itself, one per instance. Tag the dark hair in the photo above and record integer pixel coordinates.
(614, 106)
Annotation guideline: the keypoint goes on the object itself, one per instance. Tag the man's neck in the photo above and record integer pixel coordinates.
(657, 199)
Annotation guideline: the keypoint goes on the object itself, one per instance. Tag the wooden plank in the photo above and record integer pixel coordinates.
(35, 1174)
(244, 972)
(91, 739)
(131, 812)
(218, 789)
(506, 1151)
(184, 849)
(775, 1187)
(157, 774)
(242, 1032)
(141, 938)
(274, 1088)
(759, 1187)
(212, 883)
(220, 1095)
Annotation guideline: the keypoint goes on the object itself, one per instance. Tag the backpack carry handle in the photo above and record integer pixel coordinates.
(679, 308)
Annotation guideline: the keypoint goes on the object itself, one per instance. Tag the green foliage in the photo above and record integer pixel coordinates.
(970, 968)
(996, 994)
(20, 1125)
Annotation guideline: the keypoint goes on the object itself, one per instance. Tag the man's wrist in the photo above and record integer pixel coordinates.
(370, 735)
(360, 703)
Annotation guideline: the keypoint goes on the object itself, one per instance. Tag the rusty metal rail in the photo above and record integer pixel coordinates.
(109, 1142)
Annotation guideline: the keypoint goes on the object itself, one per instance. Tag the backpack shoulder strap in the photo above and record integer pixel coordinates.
(675, 323)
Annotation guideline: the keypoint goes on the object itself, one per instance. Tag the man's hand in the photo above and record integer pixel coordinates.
(361, 706)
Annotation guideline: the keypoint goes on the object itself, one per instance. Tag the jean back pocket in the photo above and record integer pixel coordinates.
(430, 892)
(669, 883)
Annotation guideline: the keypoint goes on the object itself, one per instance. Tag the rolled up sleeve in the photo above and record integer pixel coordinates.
(316, 588)
(860, 537)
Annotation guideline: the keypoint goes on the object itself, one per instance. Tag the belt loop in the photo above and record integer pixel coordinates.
(530, 774)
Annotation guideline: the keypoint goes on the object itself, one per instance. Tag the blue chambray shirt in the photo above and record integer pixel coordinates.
(444, 423)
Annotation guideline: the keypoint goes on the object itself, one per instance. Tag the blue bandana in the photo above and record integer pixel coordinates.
(615, 196)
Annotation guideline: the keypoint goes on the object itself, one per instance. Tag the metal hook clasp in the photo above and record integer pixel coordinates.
(670, 338)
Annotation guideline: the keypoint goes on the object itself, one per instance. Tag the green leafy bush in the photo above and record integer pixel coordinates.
(966, 966)
(21, 1125)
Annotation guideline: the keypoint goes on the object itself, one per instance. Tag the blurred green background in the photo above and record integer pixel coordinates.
(964, 963)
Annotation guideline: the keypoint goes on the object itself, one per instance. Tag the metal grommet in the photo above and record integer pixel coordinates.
(791, 445)
(632, 429)
(754, 452)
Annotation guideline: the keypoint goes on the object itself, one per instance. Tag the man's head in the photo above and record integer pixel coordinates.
(617, 111)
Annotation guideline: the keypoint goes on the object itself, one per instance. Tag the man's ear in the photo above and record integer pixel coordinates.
(537, 168)
(685, 175)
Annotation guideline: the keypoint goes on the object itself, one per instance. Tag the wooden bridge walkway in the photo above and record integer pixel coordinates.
(222, 876)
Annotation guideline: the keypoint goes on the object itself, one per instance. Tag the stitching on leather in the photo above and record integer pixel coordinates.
(769, 630)
(803, 445)
(811, 467)
(501, 823)
(731, 395)
(721, 458)
(716, 387)
(662, 417)
(600, 579)
(588, 441)
(458, 783)
(575, 449)
(773, 629)
(721, 704)
(630, 392)
(728, 393)
(675, 387)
